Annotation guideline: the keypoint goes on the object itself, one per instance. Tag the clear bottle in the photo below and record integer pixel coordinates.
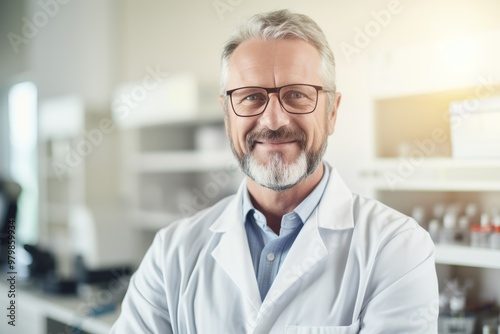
(464, 230)
(454, 208)
(438, 211)
(495, 235)
(434, 230)
(472, 211)
(485, 229)
(418, 213)
(449, 234)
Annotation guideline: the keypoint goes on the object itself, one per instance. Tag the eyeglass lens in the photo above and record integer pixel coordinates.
(298, 99)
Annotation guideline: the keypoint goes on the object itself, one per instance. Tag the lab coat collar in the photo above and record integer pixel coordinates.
(231, 212)
(232, 252)
(336, 205)
(334, 212)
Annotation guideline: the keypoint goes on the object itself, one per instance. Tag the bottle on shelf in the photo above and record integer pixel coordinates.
(454, 208)
(490, 326)
(435, 224)
(472, 212)
(450, 234)
(418, 213)
(480, 233)
(434, 230)
(495, 235)
(438, 211)
(464, 229)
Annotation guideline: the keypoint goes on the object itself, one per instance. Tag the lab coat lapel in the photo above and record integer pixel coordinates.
(307, 250)
(232, 252)
(334, 212)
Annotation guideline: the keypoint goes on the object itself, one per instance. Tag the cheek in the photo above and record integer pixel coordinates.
(318, 132)
(238, 129)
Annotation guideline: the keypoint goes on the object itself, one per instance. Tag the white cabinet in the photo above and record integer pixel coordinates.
(39, 313)
(413, 166)
(77, 167)
(174, 169)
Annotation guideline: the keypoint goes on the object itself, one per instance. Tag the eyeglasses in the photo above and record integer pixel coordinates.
(295, 99)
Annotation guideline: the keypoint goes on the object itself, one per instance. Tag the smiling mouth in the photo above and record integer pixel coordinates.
(279, 138)
(276, 143)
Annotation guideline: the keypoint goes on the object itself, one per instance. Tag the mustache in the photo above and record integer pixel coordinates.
(282, 134)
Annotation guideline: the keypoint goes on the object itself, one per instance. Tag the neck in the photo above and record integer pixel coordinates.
(275, 204)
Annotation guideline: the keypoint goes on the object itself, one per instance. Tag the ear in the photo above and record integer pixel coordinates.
(332, 115)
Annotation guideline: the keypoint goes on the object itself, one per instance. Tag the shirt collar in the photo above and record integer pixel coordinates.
(304, 209)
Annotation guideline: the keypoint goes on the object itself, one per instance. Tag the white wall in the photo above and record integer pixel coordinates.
(73, 51)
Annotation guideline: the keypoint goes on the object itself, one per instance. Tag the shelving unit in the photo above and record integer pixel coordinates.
(413, 166)
(176, 168)
(434, 174)
(182, 161)
(61, 184)
(150, 220)
(76, 170)
(39, 311)
(468, 256)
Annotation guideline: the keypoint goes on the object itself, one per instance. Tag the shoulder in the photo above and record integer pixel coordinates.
(368, 211)
(196, 227)
(346, 209)
(384, 230)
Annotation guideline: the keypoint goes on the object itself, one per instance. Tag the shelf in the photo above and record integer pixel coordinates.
(207, 116)
(444, 162)
(70, 310)
(468, 256)
(429, 185)
(434, 174)
(183, 161)
(150, 220)
(58, 213)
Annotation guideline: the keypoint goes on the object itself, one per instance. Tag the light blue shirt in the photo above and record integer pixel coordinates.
(269, 250)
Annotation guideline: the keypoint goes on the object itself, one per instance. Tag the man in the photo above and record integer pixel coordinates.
(294, 251)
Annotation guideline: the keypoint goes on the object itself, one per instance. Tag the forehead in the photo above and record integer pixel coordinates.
(272, 63)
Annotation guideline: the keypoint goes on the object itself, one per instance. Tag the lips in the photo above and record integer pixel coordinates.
(280, 137)
(276, 143)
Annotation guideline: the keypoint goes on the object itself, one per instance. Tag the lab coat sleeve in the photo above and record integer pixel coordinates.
(144, 308)
(404, 287)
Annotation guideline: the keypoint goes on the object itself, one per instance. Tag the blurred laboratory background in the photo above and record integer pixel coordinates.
(110, 129)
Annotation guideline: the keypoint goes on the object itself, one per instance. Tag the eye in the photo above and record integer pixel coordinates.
(255, 97)
(296, 95)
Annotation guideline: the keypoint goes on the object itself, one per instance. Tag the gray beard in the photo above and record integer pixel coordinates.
(277, 174)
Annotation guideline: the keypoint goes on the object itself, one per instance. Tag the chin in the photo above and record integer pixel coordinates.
(276, 174)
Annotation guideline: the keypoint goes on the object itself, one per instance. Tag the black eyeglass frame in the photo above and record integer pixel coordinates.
(277, 91)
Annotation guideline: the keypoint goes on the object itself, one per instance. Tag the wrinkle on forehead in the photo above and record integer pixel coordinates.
(274, 63)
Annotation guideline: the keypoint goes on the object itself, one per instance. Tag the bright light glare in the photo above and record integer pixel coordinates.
(458, 55)
(23, 143)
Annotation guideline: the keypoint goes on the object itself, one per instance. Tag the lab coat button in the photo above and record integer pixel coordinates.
(270, 257)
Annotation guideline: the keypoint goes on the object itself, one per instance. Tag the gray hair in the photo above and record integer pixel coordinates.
(278, 25)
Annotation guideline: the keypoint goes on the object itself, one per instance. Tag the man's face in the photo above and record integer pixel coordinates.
(278, 149)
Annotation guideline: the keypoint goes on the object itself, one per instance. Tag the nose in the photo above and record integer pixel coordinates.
(274, 116)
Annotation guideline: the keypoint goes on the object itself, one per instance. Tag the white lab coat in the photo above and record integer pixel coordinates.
(356, 266)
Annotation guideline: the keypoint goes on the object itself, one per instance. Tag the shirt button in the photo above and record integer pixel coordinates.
(270, 257)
